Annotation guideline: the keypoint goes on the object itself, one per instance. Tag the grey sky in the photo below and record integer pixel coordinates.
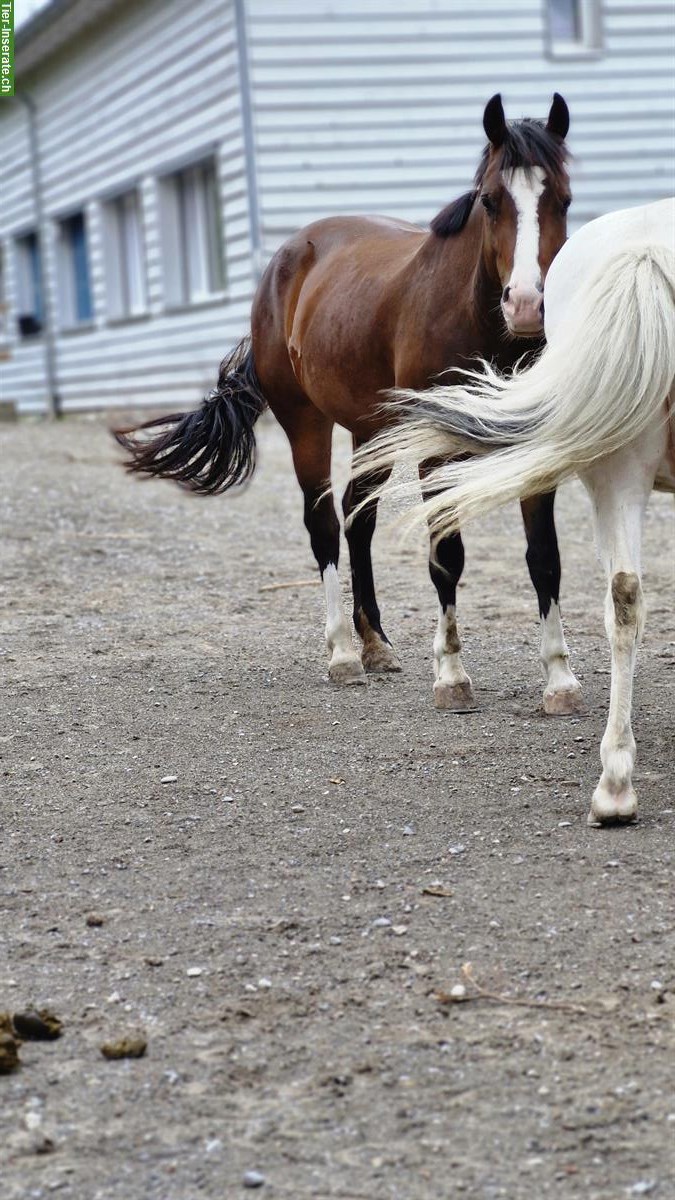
(23, 9)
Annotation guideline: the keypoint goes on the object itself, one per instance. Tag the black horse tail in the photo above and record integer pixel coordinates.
(213, 448)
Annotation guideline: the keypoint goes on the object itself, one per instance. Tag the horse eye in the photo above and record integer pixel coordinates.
(488, 204)
(565, 204)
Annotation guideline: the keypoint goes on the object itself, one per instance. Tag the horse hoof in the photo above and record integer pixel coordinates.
(454, 697)
(612, 808)
(379, 657)
(566, 703)
(346, 672)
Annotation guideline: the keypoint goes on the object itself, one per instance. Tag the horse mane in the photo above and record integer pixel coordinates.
(454, 216)
(527, 144)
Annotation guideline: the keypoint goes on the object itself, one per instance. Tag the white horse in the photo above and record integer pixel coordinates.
(599, 403)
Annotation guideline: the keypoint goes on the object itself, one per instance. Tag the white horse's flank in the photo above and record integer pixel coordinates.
(599, 402)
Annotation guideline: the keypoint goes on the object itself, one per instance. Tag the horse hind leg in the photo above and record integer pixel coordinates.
(378, 654)
(619, 489)
(614, 798)
(310, 441)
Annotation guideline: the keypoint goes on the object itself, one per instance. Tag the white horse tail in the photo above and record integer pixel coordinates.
(600, 384)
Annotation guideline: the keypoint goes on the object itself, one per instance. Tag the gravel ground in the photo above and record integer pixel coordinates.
(255, 845)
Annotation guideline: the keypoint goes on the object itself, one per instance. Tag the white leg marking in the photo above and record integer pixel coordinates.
(521, 303)
(452, 689)
(614, 797)
(345, 664)
(562, 695)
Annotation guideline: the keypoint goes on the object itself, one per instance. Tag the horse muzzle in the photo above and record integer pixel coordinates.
(523, 310)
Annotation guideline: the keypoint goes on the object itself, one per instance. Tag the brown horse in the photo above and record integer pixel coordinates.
(352, 306)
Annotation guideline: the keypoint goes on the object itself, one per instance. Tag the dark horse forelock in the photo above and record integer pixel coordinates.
(526, 144)
(529, 144)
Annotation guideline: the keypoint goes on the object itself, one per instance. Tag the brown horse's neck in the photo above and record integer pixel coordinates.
(461, 285)
(487, 287)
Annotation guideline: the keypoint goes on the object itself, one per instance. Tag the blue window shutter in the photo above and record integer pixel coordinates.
(83, 306)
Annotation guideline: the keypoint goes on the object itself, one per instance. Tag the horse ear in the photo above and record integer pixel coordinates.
(559, 117)
(494, 121)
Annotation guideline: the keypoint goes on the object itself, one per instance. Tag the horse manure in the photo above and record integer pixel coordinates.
(37, 1025)
(9, 1052)
(126, 1047)
(238, 1013)
(44, 1145)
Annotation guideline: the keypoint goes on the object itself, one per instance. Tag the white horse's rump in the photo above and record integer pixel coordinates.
(599, 402)
(602, 379)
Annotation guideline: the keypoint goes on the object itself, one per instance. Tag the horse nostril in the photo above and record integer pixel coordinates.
(541, 310)
(539, 285)
(506, 293)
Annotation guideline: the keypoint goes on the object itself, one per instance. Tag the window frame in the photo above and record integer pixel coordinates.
(4, 304)
(192, 236)
(120, 303)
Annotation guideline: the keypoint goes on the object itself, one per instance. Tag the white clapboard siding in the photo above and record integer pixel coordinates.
(357, 106)
(155, 86)
(376, 105)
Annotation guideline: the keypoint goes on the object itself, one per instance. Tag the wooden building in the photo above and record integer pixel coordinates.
(158, 152)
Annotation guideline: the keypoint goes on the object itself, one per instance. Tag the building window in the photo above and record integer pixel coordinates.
(3, 300)
(191, 234)
(574, 28)
(124, 258)
(565, 22)
(73, 268)
(29, 294)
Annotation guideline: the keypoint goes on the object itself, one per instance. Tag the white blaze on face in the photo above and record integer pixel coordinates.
(522, 308)
(525, 188)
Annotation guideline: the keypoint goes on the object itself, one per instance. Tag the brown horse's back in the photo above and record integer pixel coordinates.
(325, 315)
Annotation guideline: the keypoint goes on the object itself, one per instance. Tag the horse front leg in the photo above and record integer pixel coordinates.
(310, 440)
(378, 654)
(619, 489)
(324, 530)
(562, 693)
(453, 690)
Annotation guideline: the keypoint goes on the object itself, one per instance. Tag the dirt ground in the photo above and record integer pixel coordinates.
(263, 920)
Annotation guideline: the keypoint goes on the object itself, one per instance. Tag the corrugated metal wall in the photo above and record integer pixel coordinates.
(155, 85)
(376, 105)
